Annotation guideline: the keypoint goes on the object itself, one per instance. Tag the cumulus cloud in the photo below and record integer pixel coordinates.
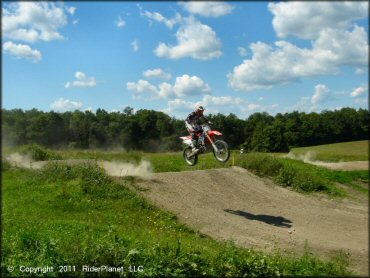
(142, 87)
(160, 18)
(190, 86)
(157, 73)
(120, 22)
(358, 91)
(82, 81)
(135, 45)
(184, 86)
(207, 9)
(63, 105)
(34, 21)
(213, 104)
(285, 62)
(321, 94)
(179, 107)
(21, 51)
(195, 40)
(307, 19)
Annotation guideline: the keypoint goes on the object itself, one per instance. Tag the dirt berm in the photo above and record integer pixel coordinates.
(235, 204)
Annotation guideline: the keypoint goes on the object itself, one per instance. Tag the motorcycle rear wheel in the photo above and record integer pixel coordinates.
(190, 160)
(223, 153)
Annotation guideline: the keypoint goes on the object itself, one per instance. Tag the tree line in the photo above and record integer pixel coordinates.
(150, 130)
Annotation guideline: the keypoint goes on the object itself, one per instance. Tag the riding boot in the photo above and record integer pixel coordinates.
(194, 146)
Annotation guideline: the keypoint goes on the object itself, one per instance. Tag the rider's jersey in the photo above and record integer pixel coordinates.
(194, 118)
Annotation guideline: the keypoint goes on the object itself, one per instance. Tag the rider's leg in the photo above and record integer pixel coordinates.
(194, 141)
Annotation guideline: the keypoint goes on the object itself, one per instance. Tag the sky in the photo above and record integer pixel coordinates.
(230, 57)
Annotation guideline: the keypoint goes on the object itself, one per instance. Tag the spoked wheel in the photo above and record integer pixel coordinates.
(223, 153)
(190, 160)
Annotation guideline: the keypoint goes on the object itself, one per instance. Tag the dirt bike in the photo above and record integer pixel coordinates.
(206, 137)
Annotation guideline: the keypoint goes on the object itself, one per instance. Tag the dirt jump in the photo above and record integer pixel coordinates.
(233, 204)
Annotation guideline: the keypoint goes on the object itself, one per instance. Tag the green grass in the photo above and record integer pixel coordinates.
(76, 215)
(303, 177)
(349, 151)
(161, 162)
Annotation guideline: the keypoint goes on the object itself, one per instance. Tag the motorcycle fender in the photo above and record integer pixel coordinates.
(186, 140)
(215, 132)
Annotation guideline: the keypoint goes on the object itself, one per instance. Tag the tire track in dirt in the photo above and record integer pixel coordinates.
(232, 203)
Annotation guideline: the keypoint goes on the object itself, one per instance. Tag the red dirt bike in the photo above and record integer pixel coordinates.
(206, 137)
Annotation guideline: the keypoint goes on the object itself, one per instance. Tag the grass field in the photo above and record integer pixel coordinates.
(76, 215)
(349, 151)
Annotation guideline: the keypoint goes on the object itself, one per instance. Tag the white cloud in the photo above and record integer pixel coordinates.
(75, 21)
(22, 51)
(207, 9)
(34, 21)
(120, 22)
(360, 71)
(286, 62)
(312, 103)
(142, 87)
(157, 73)
(179, 107)
(362, 101)
(304, 104)
(65, 105)
(321, 94)
(195, 40)
(242, 51)
(358, 91)
(82, 81)
(185, 86)
(135, 45)
(307, 19)
(190, 86)
(160, 18)
(71, 10)
(213, 105)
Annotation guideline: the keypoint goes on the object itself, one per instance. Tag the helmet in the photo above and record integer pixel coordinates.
(199, 108)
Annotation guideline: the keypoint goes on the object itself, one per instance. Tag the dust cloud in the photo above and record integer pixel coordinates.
(309, 156)
(24, 161)
(116, 169)
(120, 169)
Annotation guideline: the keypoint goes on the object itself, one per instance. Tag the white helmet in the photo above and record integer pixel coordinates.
(199, 108)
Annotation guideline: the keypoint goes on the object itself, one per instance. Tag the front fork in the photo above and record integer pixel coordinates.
(212, 143)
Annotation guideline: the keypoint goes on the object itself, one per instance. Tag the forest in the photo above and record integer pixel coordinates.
(154, 131)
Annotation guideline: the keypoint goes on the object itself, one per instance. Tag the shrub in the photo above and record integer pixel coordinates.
(286, 176)
(39, 153)
(262, 164)
(300, 180)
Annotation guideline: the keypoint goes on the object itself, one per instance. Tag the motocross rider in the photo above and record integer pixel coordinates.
(192, 125)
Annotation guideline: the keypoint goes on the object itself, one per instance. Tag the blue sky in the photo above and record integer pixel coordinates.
(231, 57)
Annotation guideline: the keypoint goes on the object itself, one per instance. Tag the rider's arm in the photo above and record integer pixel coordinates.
(189, 118)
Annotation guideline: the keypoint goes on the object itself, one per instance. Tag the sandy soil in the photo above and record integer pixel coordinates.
(235, 204)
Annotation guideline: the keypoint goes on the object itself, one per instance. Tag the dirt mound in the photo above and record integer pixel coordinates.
(235, 204)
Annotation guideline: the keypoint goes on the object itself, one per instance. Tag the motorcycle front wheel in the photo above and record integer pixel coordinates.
(190, 160)
(223, 153)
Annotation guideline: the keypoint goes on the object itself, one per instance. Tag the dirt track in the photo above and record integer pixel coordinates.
(235, 204)
(343, 166)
